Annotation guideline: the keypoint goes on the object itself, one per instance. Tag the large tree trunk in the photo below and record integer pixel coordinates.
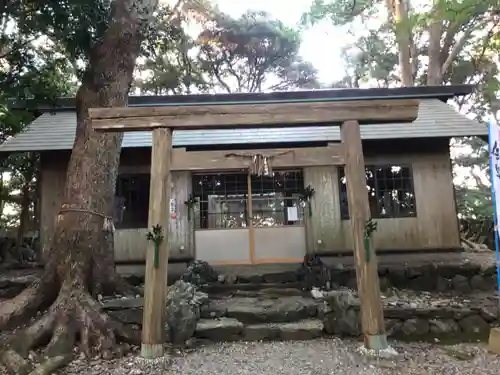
(399, 11)
(434, 74)
(80, 263)
(24, 218)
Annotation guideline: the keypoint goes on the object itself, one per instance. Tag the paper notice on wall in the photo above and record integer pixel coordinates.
(173, 206)
(292, 214)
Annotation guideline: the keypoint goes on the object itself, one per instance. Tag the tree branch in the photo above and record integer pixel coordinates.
(6, 52)
(475, 61)
(457, 48)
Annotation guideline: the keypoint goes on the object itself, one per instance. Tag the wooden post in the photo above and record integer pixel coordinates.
(251, 230)
(494, 340)
(155, 283)
(372, 318)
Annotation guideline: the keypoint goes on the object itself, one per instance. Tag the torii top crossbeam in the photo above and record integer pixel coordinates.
(253, 115)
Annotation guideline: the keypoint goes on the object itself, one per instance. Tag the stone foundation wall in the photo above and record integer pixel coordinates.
(340, 314)
(463, 278)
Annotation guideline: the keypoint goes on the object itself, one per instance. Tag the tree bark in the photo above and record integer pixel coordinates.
(24, 218)
(80, 260)
(1, 193)
(399, 11)
(434, 75)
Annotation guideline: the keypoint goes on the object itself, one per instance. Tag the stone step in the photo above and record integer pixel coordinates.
(230, 329)
(257, 310)
(230, 288)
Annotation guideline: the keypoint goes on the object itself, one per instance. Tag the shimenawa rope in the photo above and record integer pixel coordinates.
(107, 226)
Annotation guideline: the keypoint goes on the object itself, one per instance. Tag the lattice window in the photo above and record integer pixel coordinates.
(390, 191)
(276, 199)
(221, 200)
(132, 201)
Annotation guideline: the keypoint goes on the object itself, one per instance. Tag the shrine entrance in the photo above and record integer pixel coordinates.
(241, 218)
(346, 109)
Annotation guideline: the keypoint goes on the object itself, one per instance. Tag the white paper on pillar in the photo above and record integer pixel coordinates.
(173, 205)
(292, 214)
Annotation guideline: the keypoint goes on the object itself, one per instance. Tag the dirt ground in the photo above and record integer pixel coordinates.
(316, 357)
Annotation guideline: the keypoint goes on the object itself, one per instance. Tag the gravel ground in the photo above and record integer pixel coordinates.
(318, 357)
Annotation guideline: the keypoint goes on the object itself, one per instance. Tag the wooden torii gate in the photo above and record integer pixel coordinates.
(349, 114)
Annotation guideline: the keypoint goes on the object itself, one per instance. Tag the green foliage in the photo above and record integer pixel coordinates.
(339, 12)
(169, 65)
(253, 53)
(469, 48)
(76, 24)
(33, 69)
(45, 47)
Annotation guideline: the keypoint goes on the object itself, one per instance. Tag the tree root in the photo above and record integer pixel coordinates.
(72, 316)
(25, 305)
(52, 364)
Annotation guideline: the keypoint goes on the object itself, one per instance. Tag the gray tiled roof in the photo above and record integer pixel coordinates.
(435, 119)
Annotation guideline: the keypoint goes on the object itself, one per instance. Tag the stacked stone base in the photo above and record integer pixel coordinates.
(294, 316)
(340, 314)
(230, 329)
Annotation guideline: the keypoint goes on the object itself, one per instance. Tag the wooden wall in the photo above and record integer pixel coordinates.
(434, 227)
(130, 244)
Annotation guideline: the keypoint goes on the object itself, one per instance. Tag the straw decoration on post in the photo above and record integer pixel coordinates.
(156, 236)
(190, 203)
(306, 197)
(370, 228)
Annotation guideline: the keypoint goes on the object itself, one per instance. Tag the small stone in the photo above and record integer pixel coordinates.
(107, 355)
(477, 282)
(461, 284)
(489, 313)
(259, 332)
(385, 284)
(136, 371)
(222, 329)
(461, 313)
(316, 293)
(441, 327)
(490, 271)
(199, 273)
(459, 354)
(442, 284)
(393, 327)
(302, 330)
(474, 324)
(415, 327)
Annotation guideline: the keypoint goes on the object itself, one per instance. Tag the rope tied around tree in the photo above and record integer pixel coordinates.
(260, 165)
(107, 226)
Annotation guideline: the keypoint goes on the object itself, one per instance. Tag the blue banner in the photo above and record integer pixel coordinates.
(494, 148)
